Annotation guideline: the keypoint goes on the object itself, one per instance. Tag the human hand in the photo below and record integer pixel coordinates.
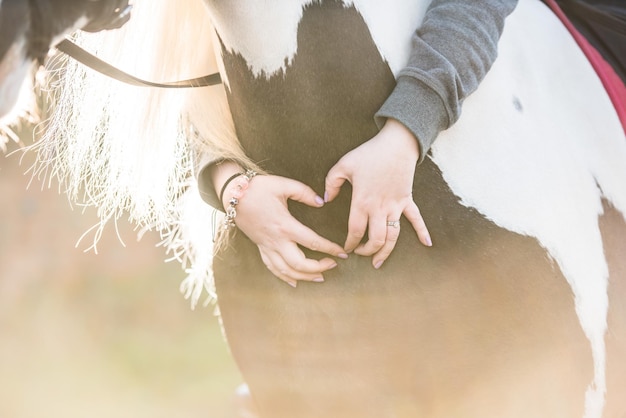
(381, 173)
(262, 215)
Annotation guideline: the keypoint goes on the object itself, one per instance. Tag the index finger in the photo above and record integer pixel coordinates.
(357, 224)
(308, 238)
(306, 268)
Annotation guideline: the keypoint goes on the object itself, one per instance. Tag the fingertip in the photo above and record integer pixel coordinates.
(319, 201)
(426, 240)
(329, 195)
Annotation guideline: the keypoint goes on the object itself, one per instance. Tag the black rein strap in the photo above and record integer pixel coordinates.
(79, 54)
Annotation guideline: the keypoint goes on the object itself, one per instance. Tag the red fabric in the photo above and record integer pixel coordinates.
(612, 82)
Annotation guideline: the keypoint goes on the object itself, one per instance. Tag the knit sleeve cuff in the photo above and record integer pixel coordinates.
(205, 184)
(418, 107)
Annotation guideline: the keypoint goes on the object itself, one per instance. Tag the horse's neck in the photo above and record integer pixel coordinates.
(267, 36)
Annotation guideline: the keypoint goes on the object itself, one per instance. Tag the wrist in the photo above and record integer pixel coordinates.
(221, 174)
(402, 137)
(234, 188)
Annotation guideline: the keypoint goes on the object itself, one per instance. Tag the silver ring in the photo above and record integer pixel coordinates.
(395, 224)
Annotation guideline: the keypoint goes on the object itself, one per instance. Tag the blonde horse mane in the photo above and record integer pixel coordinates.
(134, 151)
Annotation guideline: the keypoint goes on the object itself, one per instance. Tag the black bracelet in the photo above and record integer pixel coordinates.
(231, 178)
(231, 210)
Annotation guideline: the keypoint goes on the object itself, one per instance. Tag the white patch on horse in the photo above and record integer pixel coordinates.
(543, 172)
(266, 36)
(13, 71)
(391, 23)
(16, 65)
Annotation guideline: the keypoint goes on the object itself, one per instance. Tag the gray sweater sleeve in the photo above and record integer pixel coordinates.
(452, 52)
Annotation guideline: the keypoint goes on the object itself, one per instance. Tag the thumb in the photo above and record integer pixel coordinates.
(335, 178)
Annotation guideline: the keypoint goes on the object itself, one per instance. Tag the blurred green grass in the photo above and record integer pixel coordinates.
(97, 335)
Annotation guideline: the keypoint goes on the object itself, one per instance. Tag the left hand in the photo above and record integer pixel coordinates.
(381, 173)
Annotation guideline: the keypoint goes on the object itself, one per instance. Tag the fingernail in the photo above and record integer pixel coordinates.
(325, 196)
(429, 242)
(293, 283)
(342, 255)
(318, 279)
(332, 266)
(377, 265)
(319, 201)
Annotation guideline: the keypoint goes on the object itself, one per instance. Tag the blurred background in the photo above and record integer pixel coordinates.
(97, 335)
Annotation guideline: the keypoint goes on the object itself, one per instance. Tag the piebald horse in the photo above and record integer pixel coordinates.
(519, 308)
(29, 28)
(517, 311)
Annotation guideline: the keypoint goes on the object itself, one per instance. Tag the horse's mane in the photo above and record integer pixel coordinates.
(132, 151)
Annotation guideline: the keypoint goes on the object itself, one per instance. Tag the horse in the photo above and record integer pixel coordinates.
(517, 310)
(508, 314)
(29, 29)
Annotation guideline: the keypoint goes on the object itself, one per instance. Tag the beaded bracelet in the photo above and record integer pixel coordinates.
(226, 183)
(242, 185)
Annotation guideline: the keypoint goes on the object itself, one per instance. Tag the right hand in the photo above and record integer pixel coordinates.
(263, 215)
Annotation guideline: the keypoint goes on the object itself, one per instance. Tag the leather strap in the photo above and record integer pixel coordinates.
(79, 54)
